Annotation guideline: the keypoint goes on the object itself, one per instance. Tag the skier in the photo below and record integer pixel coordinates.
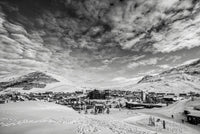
(108, 110)
(172, 116)
(164, 124)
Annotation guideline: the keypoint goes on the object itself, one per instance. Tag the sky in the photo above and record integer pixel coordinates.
(98, 43)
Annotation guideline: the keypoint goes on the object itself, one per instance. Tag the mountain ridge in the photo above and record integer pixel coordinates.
(184, 78)
(192, 69)
(27, 82)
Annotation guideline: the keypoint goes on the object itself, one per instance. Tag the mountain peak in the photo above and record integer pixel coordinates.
(26, 82)
(179, 79)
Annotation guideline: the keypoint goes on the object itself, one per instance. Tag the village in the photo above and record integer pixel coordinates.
(101, 101)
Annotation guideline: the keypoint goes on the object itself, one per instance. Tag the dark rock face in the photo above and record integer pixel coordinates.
(145, 78)
(29, 81)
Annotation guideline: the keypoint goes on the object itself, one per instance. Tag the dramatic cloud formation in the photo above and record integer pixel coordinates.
(98, 43)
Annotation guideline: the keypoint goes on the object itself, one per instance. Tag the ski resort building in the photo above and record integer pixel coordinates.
(193, 118)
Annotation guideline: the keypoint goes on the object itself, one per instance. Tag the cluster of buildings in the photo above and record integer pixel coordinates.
(46, 96)
(138, 97)
(101, 99)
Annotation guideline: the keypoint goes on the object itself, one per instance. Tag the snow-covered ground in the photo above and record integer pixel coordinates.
(36, 117)
(49, 118)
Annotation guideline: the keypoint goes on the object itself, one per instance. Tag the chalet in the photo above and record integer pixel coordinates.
(99, 108)
(194, 118)
(2, 101)
(134, 105)
(197, 107)
(78, 92)
(182, 95)
(138, 93)
(191, 93)
(172, 94)
(22, 98)
(152, 93)
(115, 95)
(169, 99)
(152, 97)
(197, 95)
(130, 97)
(128, 92)
(160, 94)
(143, 96)
(82, 97)
(14, 97)
(159, 97)
(96, 94)
(48, 93)
(87, 91)
(107, 94)
(72, 100)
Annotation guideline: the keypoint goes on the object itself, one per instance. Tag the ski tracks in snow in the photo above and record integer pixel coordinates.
(98, 125)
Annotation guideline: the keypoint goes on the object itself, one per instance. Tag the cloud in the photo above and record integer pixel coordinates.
(139, 25)
(125, 81)
(173, 58)
(150, 72)
(152, 61)
(119, 79)
(164, 66)
(12, 28)
(160, 25)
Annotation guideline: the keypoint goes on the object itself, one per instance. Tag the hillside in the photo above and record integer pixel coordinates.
(29, 81)
(37, 82)
(184, 78)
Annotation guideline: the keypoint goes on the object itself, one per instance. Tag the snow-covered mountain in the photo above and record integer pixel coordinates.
(184, 78)
(29, 81)
(180, 79)
(36, 82)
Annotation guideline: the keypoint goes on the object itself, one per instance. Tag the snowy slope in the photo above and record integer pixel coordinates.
(36, 82)
(184, 78)
(18, 118)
